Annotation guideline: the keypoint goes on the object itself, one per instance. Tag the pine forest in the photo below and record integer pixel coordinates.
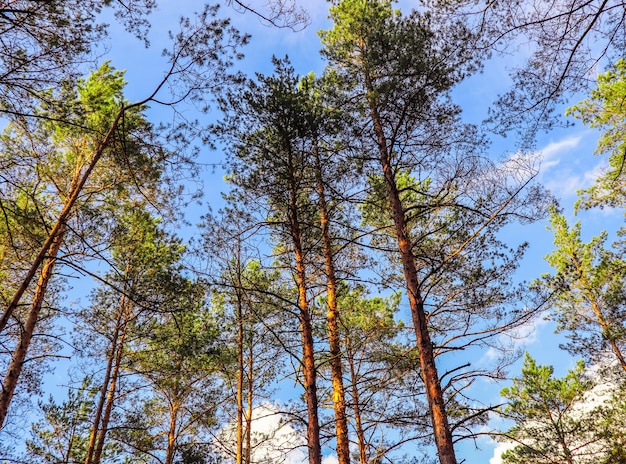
(325, 232)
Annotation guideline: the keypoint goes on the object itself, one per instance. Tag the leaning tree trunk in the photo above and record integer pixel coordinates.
(434, 392)
(59, 227)
(19, 354)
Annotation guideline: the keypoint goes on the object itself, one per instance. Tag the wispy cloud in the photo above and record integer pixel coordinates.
(520, 338)
(551, 153)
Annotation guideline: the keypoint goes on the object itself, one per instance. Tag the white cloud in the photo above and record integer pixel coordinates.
(274, 440)
(497, 452)
(563, 170)
(551, 152)
(331, 459)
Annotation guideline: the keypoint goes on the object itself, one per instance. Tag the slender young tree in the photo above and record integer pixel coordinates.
(559, 420)
(251, 300)
(588, 292)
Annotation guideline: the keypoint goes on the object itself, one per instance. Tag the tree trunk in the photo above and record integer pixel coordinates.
(248, 449)
(110, 400)
(171, 435)
(240, 370)
(339, 395)
(306, 330)
(434, 393)
(19, 354)
(105, 385)
(356, 405)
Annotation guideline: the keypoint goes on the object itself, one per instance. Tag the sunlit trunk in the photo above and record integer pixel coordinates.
(19, 354)
(171, 435)
(434, 393)
(306, 331)
(339, 396)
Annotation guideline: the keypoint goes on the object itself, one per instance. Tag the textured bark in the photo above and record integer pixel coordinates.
(110, 397)
(356, 406)
(306, 331)
(434, 393)
(105, 384)
(171, 435)
(339, 396)
(19, 354)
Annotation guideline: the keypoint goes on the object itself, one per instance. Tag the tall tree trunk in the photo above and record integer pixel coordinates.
(356, 405)
(171, 435)
(19, 354)
(434, 393)
(110, 400)
(306, 331)
(248, 449)
(339, 395)
(240, 365)
(105, 384)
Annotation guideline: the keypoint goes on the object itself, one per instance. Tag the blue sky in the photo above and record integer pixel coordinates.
(567, 160)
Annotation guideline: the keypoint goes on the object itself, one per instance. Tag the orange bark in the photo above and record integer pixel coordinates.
(306, 330)
(434, 393)
(339, 396)
(19, 354)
